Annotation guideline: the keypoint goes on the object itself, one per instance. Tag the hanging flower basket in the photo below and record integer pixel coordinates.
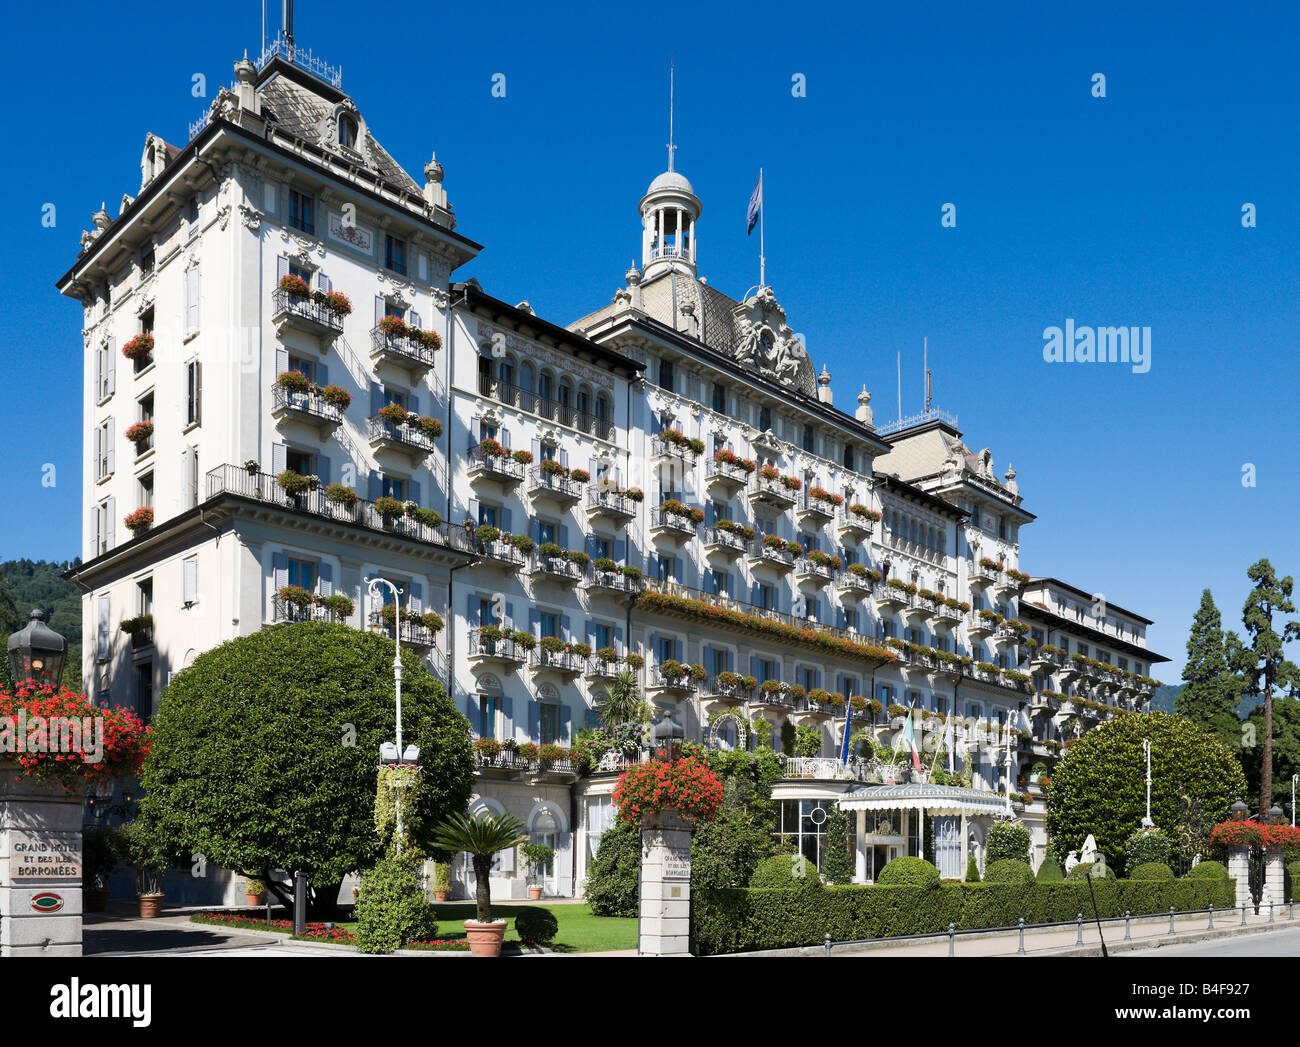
(140, 433)
(138, 347)
(395, 414)
(294, 286)
(140, 520)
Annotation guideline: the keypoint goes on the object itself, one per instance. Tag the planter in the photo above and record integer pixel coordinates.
(440, 896)
(485, 938)
(535, 893)
(150, 904)
(255, 900)
(94, 899)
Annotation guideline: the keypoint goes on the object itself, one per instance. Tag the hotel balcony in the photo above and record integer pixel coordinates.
(563, 663)
(497, 552)
(1006, 586)
(611, 504)
(805, 711)
(729, 694)
(598, 670)
(554, 488)
(555, 569)
(945, 617)
(978, 627)
(673, 687)
(412, 633)
(771, 701)
(892, 598)
(726, 476)
(982, 578)
(402, 352)
(611, 583)
(1068, 670)
(1042, 701)
(727, 544)
(806, 570)
(262, 488)
(503, 651)
(815, 511)
(303, 314)
(500, 468)
(409, 440)
(309, 408)
(851, 527)
(661, 448)
(670, 527)
(850, 583)
(771, 493)
(776, 558)
(1005, 636)
(281, 611)
(552, 410)
(919, 611)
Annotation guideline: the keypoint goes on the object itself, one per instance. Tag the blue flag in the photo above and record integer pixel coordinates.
(848, 724)
(755, 205)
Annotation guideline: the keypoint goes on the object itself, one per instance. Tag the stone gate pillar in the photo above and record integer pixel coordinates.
(1274, 884)
(665, 903)
(40, 867)
(1239, 870)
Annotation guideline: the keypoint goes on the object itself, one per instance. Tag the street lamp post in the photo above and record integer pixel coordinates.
(1147, 823)
(1294, 777)
(389, 752)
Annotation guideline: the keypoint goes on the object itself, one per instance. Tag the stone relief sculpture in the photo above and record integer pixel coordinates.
(765, 342)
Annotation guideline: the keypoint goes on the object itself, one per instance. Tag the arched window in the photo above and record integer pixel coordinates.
(347, 131)
(527, 378)
(602, 407)
(545, 386)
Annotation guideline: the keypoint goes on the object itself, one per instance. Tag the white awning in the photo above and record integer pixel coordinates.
(933, 799)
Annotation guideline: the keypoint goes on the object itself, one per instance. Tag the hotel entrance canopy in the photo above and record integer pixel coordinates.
(932, 799)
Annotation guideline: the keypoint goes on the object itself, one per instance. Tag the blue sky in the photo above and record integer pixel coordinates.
(1122, 210)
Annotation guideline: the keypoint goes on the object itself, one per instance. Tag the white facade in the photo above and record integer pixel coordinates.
(530, 429)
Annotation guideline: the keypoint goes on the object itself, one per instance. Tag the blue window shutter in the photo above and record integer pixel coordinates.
(380, 307)
(473, 510)
(504, 437)
(413, 404)
(112, 365)
(840, 620)
(534, 529)
(281, 268)
(323, 282)
(279, 458)
(376, 484)
(710, 515)
(753, 593)
(505, 521)
(510, 614)
(565, 627)
(591, 633)
(281, 361)
(280, 569)
(474, 611)
(537, 452)
(534, 621)
(322, 374)
(414, 489)
(417, 597)
(708, 579)
(323, 468)
(618, 638)
(534, 720)
(564, 456)
(562, 532)
(326, 575)
(565, 724)
(507, 717)
(376, 398)
(731, 660)
(415, 318)
(473, 433)
(620, 550)
(753, 665)
(592, 543)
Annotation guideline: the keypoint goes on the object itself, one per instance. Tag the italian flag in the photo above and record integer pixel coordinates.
(910, 734)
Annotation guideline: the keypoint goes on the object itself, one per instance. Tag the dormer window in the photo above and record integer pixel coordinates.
(347, 131)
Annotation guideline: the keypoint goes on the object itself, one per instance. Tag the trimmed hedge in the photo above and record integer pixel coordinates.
(783, 871)
(1209, 870)
(740, 920)
(1008, 870)
(1083, 869)
(1050, 871)
(909, 872)
(1151, 871)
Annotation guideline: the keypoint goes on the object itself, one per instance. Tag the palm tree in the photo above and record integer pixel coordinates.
(622, 702)
(481, 838)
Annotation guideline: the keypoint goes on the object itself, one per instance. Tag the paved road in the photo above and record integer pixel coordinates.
(1277, 943)
(121, 933)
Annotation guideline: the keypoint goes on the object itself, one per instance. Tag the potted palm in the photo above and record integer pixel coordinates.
(481, 838)
(539, 857)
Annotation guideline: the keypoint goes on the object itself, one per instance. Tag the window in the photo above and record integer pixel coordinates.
(394, 487)
(395, 254)
(300, 212)
(764, 596)
(144, 596)
(602, 635)
(193, 391)
(189, 580)
(487, 514)
(600, 816)
(1083, 649)
(550, 723)
(545, 532)
(192, 212)
(147, 260)
(766, 669)
(665, 648)
(487, 722)
(809, 438)
(301, 272)
(719, 398)
(764, 418)
(104, 449)
(103, 514)
(801, 826)
(146, 327)
(301, 462)
(665, 567)
(600, 547)
(145, 492)
(303, 573)
(666, 374)
(347, 131)
(548, 624)
(144, 691)
(850, 460)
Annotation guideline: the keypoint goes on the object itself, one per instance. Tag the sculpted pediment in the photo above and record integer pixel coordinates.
(765, 342)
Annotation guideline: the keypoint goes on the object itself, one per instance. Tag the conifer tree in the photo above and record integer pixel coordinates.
(1212, 690)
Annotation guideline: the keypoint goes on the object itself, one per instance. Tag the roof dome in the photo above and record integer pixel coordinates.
(671, 180)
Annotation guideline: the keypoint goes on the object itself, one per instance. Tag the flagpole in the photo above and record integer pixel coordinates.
(762, 246)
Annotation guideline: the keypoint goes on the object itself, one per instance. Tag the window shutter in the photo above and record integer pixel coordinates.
(98, 436)
(191, 299)
(191, 494)
(110, 524)
(414, 487)
(323, 469)
(618, 638)
(376, 398)
(753, 593)
(504, 437)
(100, 363)
(111, 361)
(534, 720)
(710, 514)
(376, 485)
(537, 452)
(591, 634)
(103, 635)
(473, 510)
(279, 570)
(708, 579)
(473, 433)
(281, 361)
(505, 521)
(566, 627)
(565, 722)
(109, 432)
(322, 374)
(535, 622)
(380, 307)
(753, 665)
(474, 611)
(279, 458)
(507, 717)
(190, 579)
(281, 268)
(413, 404)
(195, 406)
(93, 531)
(415, 318)
(593, 545)
(563, 534)
(510, 614)
(620, 550)
(323, 282)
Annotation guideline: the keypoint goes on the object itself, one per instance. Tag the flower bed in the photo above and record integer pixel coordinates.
(686, 787)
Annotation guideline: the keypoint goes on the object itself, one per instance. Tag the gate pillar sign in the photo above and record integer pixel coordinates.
(665, 902)
(40, 867)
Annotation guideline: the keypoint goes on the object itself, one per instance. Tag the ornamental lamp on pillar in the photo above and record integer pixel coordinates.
(1275, 815)
(36, 653)
(1238, 811)
(668, 738)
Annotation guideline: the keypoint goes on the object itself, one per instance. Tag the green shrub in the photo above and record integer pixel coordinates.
(611, 885)
(1145, 847)
(909, 872)
(972, 869)
(1006, 841)
(1209, 870)
(837, 862)
(1008, 870)
(1084, 868)
(391, 909)
(535, 925)
(1050, 871)
(785, 871)
(1290, 877)
(1151, 871)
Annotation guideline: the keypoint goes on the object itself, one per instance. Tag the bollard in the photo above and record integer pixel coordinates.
(1211, 927)
(1290, 915)
(828, 944)
(952, 939)
(1243, 914)
(1171, 919)
(1079, 939)
(1128, 927)
(299, 902)
(1021, 950)
(1270, 910)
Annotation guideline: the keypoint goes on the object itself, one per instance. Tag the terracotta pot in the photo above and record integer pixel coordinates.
(485, 938)
(534, 893)
(94, 899)
(150, 904)
(255, 899)
(440, 896)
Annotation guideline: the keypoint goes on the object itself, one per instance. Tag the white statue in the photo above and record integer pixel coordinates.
(1071, 860)
(1090, 853)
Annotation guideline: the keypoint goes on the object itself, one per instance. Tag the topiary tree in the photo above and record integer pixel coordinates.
(612, 883)
(909, 872)
(1050, 871)
(1093, 869)
(1006, 841)
(785, 871)
(837, 864)
(1151, 871)
(972, 869)
(1008, 870)
(1208, 869)
(1146, 846)
(808, 740)
(392, 909)
(788, 737)
(264, 755)
(1100, 785)
(535, 925)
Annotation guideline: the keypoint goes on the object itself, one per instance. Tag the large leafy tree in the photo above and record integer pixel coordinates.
(1263, 663)
(1286, 750)
(1212, 689)
(1100, 785)
(265, 754)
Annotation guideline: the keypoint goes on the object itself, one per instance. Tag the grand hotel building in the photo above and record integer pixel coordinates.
(664, 483)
